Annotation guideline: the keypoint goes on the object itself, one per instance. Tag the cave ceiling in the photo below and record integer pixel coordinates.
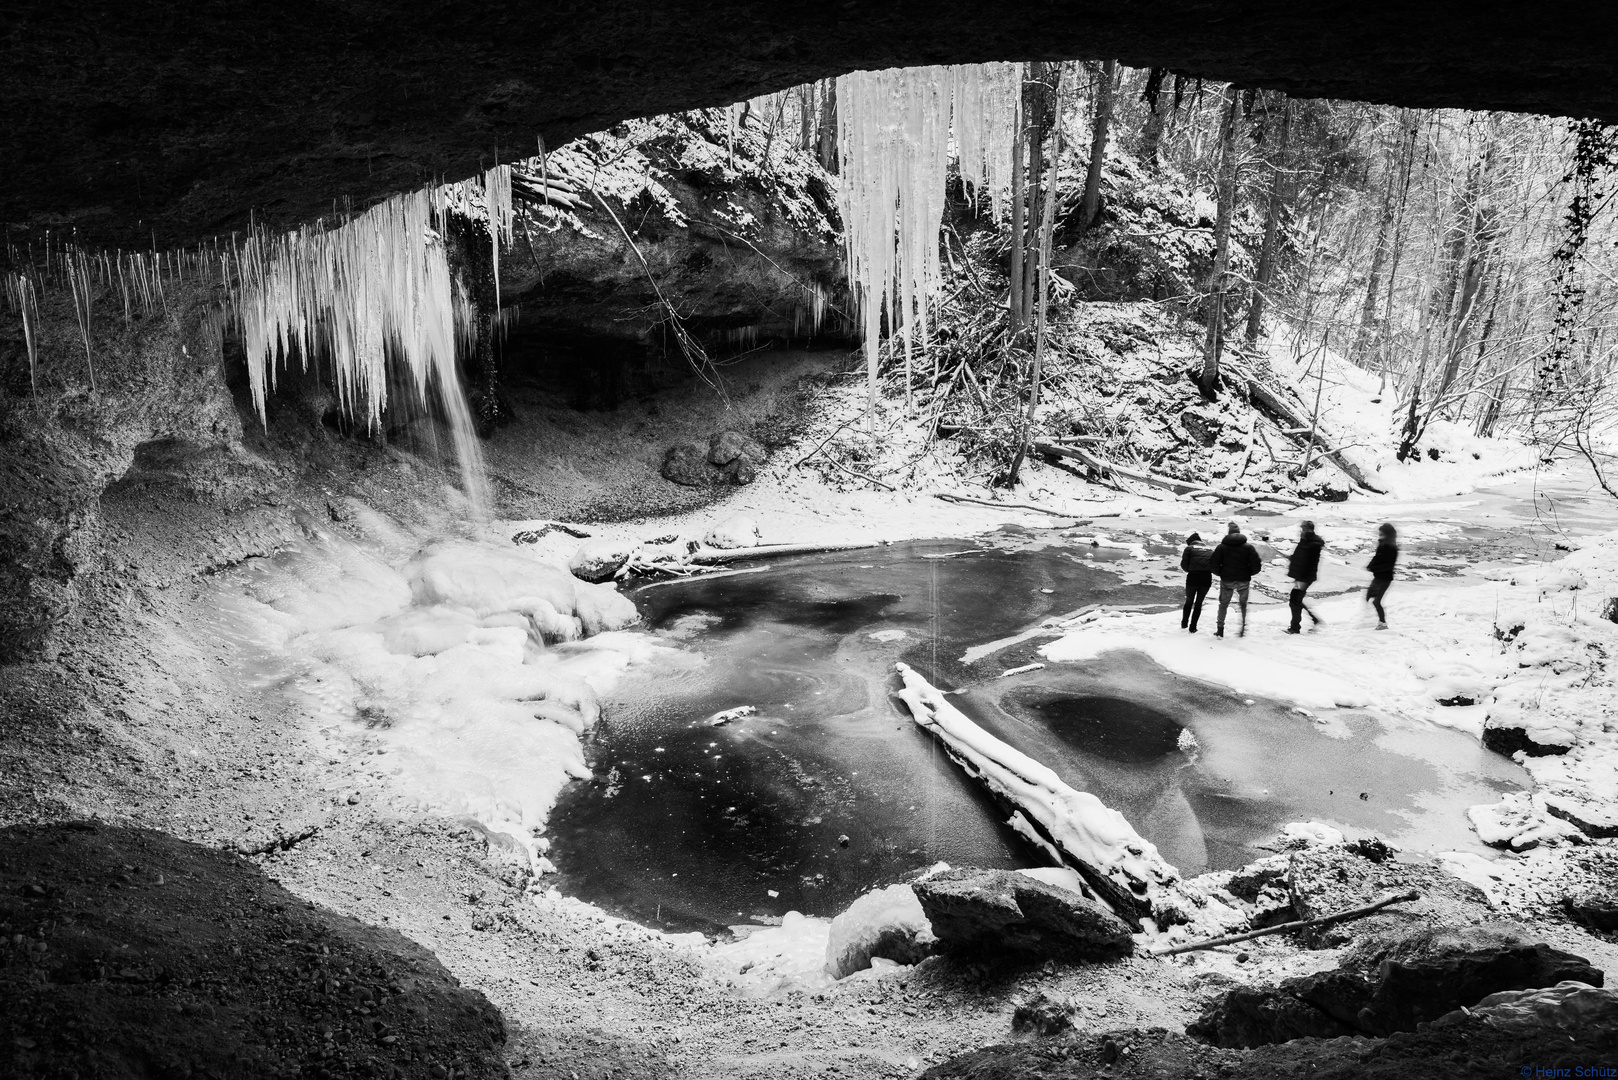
(145, 121)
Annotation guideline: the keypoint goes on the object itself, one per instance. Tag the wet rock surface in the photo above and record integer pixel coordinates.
(1390, 988)
(1002, 913)
(1469, 1047)
(131, 953)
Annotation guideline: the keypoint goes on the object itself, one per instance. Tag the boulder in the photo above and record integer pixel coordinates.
(190, 961)
(687, 465)
(736, 532)
(1595, 907)
(1329, 878)
(1577, 1008)
(1408, 992)
(598, 560)
(1250, 1016)
(886, 923)
(741, 472)
(999, 911)
(1507, 739)
(1042, 1015)
(1406, 982)
(725, 447)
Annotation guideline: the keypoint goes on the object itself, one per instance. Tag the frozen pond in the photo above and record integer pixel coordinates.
(827, 788)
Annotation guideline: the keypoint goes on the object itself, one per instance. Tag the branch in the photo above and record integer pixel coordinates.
(1301, 924)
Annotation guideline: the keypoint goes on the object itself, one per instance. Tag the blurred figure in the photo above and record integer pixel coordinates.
(1196, 561)
(1235, 561)
(1303, 567)
(1381, 568)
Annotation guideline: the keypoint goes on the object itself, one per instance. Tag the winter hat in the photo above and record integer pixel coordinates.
(1388, 530)
(1194, 538)
(1234, 527)
(1307, 526)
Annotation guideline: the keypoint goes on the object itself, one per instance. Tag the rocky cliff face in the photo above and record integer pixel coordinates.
(673, 222)
(158, 400)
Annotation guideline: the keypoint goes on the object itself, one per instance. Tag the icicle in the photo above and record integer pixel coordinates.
(378, 285)
(894, 144)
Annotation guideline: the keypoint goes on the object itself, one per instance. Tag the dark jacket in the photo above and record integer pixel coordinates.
(1197, 559)
(1383, 562)
(1235, 559)
(1305, 562)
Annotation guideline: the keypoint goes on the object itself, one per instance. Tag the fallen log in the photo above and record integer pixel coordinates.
(947, 497)
(1300, 924)
(1179, 487)
(1073, 827)
(720, 556)
(1295, 423)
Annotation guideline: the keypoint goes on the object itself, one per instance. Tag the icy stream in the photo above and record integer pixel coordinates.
(828, 789)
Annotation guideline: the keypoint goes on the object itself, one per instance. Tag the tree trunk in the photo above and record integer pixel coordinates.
(1365, 338)
(1151, 132)
(828, 125)
(1272, 224)
(1214, 342)
(1015, 272)
(1047, 226)
(1090, 208)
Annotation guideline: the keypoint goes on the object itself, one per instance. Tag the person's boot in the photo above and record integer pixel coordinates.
(1219, 631)
(1292, 630)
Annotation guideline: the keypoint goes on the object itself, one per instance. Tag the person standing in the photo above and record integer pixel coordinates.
(1303, 567)
(1194, 560)
(1235, 561)
(1381, 568)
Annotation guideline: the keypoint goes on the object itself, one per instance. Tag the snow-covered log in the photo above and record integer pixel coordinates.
(1073, 827)
(1179, 487)
(1299, 427)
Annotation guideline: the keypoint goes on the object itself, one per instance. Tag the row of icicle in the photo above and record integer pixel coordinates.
(894, 131)
(376, 287)
(379, 285)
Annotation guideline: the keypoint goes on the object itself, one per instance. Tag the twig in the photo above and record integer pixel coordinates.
(1324, 920)
(857, 474)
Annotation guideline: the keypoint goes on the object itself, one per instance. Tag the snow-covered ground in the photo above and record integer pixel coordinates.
(1358, 411)
(467, 713)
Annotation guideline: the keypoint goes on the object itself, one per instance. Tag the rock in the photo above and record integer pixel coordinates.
(1330, 878)
(741, 472)
(1325, 484)
(736, 532)
(1042, 1015)
(201, 965)
(1578, 1008)
(1202, 425)
(1597, 821)
(1595, 907)
(887, 923)
(598, 560)
(1406, 982)
(1507, 740)
(1251, 1016)
(687, 465)
(999, 911)
(1405, 993)
(726, 447)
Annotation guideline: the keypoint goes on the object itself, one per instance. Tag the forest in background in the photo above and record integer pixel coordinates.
(1467, 259)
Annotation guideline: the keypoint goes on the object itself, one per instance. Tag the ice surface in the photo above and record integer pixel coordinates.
(458, 680)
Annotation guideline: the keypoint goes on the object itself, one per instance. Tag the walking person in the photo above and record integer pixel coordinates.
(1381, 568)
(1303, 567)
(1235, 561)
(1195, 561)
